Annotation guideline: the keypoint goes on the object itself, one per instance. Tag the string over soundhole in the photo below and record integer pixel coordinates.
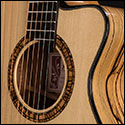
(40, 87)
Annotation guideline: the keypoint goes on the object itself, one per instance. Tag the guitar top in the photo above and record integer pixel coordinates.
(62, 63)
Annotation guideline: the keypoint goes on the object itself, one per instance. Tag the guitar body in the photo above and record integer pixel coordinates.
(86, 30)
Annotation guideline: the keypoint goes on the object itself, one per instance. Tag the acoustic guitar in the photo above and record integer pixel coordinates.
(61, 63)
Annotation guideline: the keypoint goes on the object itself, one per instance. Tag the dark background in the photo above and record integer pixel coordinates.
(119, 4)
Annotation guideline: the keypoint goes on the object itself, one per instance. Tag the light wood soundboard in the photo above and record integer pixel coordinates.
(95, 37)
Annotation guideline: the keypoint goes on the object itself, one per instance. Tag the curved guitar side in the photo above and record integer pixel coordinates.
(106, 78)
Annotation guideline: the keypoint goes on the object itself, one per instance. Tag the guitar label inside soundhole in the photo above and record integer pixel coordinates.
(56, 76)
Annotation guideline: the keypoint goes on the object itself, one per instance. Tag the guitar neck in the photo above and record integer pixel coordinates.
(42, 20)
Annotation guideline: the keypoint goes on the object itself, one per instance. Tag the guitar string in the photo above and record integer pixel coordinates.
(36, 72)
(26, 68)
(34, 45)
(39, 46)
(38, 54)
(43, 48)
(33, 54)
(24, 57)
(33, 50)
(45, 93)
(35, 85)
(49, 47)
(22, 62)
(28, 52)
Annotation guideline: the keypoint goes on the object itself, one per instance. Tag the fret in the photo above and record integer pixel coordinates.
(40, 35)
(31, 21)
(40, 39)
(34, 30)
(42, 11)
(43, 2)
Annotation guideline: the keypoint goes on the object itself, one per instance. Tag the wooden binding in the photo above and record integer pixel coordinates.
(73, 3)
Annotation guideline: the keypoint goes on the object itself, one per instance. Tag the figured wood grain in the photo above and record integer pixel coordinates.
(83, 31)
(107, 94)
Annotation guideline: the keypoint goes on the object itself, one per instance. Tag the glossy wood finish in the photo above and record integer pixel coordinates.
(83, 30)
(71, 3)
(108, 79)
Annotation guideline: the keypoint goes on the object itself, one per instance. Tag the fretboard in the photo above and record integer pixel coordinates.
(42, 20)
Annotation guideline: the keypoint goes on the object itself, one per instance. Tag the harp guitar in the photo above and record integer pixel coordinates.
(61, 63)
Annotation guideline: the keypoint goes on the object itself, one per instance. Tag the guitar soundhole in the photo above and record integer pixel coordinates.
(39, 84)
